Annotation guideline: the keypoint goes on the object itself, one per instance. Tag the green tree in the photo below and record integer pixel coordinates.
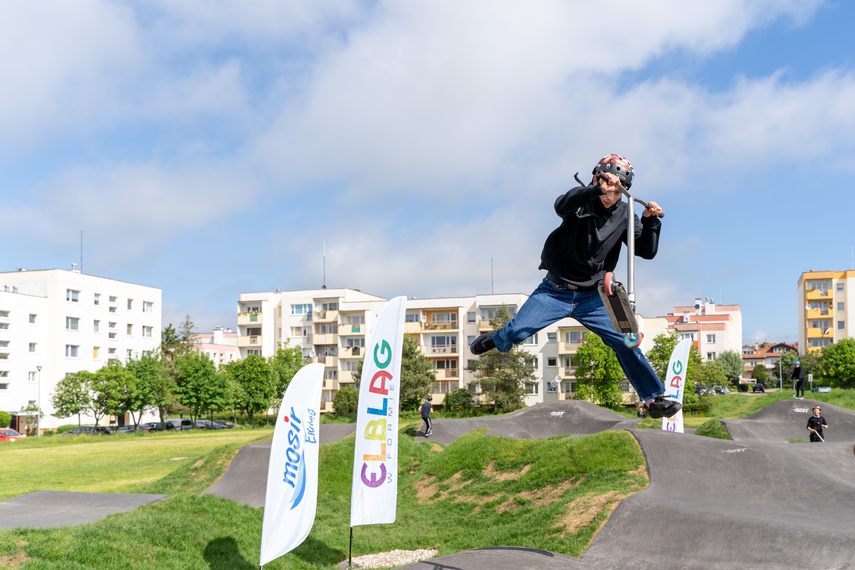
(598, 373)
(709, 375)
(71, 396)
(503, 376)
(283, 365)
(154, 386)
(346, 401)
(117, 391)
(460, 400)
(759, 373)
(838, 362)
(5, 419)
(660, 355)
(417, 375)
(730, 362)
(254, 384)
(199, 388)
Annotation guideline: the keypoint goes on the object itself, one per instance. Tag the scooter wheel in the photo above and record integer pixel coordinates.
(632, 340)
(609, 284)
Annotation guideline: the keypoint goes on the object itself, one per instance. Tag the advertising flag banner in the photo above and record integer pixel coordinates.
(374, 497)
(292, 473)
(675, 383)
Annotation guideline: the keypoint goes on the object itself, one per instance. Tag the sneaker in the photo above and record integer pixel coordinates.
(482, 344)
(662, 407)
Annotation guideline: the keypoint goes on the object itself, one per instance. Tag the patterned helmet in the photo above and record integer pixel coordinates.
(617, 165)
(817, 408)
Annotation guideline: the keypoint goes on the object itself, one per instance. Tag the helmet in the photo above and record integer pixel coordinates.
(430, 398)
(617, 165)
(798, 363)
(817, 408)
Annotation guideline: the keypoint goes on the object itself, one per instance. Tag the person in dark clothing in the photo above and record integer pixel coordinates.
(798, 379)
(576, 256)
(426, 410)
(816, 424)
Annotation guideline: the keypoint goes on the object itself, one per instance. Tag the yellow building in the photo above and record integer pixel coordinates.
(824, 308)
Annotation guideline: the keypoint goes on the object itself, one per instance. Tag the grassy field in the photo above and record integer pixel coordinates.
(480, 491)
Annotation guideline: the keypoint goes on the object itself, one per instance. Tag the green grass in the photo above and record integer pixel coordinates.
(109, 463)
(480, 491)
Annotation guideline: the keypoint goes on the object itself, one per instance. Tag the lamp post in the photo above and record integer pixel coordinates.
(39, 405)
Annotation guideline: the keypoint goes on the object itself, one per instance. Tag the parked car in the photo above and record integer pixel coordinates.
(821, 389)
(89, 430)
(8, 434)
(223, 424)
(721, 390)
(203, 424)
(178, 424)
(126, 429)
(758, 387)
(152, 426)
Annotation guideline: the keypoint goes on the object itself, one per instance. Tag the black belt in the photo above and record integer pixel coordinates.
(566, 285)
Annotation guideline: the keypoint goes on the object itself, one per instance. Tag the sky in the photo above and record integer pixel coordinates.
(213, 147)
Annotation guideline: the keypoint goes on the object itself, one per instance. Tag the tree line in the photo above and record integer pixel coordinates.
(177, 378)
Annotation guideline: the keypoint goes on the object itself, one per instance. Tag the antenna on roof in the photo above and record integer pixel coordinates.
(324, 286)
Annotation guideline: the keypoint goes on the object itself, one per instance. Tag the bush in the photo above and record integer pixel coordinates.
(5, 419)
(742, 387)
(346, 401)
(713, 428)
(703, 407)
(459, 400)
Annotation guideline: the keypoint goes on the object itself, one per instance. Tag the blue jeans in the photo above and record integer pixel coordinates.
(550, 303)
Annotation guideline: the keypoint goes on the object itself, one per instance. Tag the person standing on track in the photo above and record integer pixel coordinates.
(798, 379)
(576, 257)
(816, 424)
(426, 409)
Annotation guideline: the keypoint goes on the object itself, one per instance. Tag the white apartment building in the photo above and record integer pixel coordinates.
(713, 328)
(55, 322)
(332, 325)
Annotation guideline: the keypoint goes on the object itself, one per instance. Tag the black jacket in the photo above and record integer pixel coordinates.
(587, 243)
(798, 374)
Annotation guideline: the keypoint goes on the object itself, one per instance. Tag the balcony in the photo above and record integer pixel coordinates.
(249, 341)
(326, 317)
(447, 373)
(442, 326)
(816, 313)
(330, 384)
(444, 387)
(326, 338)
(345, 377)
(818, 295)
(569, 347)
(327, 361)
(351, 329)
(249, 319)
(412, 328)
(817, 332)
(350, 351)
(484, 326)
(448, 349)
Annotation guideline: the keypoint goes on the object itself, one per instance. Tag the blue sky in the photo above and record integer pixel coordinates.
(210, 149)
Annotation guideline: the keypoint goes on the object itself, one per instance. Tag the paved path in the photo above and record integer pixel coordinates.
(60, 508)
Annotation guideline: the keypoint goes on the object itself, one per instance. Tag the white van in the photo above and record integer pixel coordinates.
(178, 424)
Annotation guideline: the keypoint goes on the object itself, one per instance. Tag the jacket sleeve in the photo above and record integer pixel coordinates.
(647, 237)
(569, 202)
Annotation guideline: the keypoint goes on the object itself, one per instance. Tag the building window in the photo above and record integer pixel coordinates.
(574, 336)
(841, 325)
(72, 296)
(531, 388)
(96, 326)
(4, 356)
(710, 338)
(304, 309)
(253, 352)
(32, 347)
(130, 330)
(147, 307)
(330, 306)
(72, 323)
(130, 304)
(31, 376)
(841, 306)
(112, 309)
(4, 326)
(32, 319)
(97, 298)
(4, 373)
(4, 386)
(471, 317)
(71, 350)
(551, 337)
(111, 351)
(130, 354)
(113, 299)
(840, 287)
(112, 335)
(4, 344)
(4, 314)
(95, 350)
(531, 341)
(551, 362)
(711, 356)
(146, 332)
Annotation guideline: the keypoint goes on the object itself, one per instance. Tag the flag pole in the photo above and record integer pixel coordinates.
(350, 550)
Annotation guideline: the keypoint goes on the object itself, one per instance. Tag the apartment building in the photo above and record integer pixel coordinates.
(823, 308)
(331, 326)
(766, 354)
(220, 345)
(56, 322)
(713, 328)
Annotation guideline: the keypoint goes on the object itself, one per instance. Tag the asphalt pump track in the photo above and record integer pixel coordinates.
(754, 502)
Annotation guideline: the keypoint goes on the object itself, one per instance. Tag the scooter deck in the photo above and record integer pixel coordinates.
(618, 307)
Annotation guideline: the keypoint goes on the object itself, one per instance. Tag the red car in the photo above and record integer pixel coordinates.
(8, 434)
